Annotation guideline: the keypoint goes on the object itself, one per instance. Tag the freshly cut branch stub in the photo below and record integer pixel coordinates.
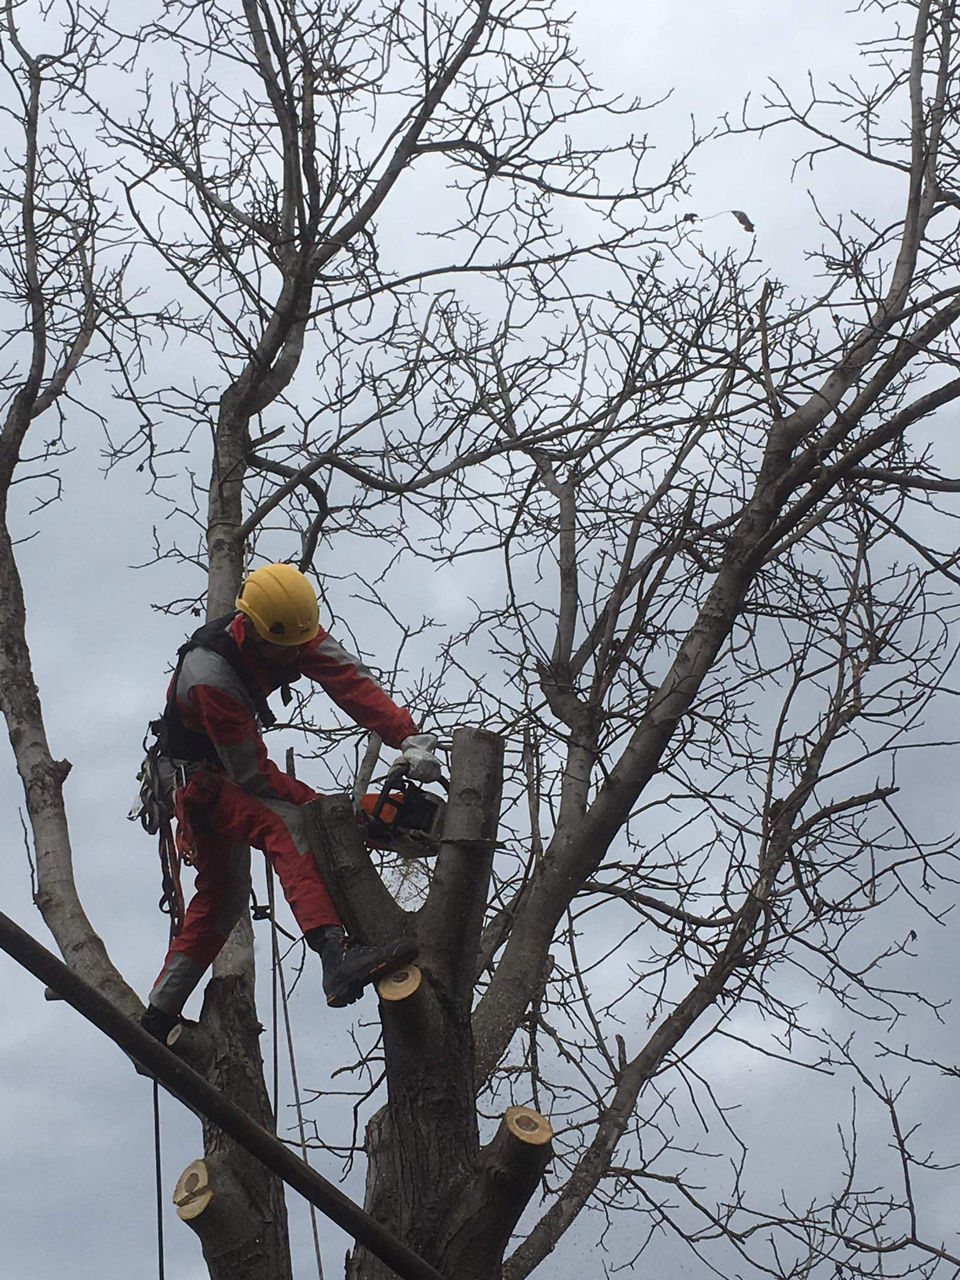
(528, 1125)
(399, 984)
(511, 1166)
(212, 1202)
(193, 1192)
(189, 1042)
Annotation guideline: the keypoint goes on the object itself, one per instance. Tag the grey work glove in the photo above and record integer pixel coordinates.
(417, 758)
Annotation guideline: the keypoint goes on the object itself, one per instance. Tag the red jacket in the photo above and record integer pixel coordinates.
(212, 700)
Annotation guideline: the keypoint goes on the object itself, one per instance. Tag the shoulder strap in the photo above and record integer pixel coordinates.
(215, 637)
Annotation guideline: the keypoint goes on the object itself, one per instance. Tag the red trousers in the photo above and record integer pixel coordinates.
(217, 820)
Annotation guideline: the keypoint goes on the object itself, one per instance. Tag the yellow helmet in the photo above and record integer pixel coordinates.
(281, 604)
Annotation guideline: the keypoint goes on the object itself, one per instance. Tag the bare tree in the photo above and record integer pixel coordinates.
(726, 619)
(725, 614)
(258, 181)
(739, 638)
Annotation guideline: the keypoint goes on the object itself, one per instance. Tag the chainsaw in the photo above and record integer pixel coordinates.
(402, 818)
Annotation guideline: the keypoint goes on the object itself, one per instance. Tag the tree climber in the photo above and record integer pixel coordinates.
(228, 794)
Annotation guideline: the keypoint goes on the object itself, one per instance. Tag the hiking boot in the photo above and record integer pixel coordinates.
(348, 971)
(158, 1022)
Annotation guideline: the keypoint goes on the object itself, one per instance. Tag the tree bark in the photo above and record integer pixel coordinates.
(511, 1167)
(429, 1180)
(208, 1190)
(364, 904)
(55, 891)
(229, 1014)
(255, 1214)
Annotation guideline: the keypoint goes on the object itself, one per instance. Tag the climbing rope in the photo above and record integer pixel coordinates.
(274, 986)
(173, 896)
(156, 1153)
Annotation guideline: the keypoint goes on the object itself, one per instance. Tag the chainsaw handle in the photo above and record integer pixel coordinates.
(394, 779)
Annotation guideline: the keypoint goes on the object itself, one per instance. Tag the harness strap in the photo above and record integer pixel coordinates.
(217, 638)
(181, 743)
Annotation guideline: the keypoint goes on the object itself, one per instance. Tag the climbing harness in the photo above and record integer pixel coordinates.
(175, 753)
(181, 743)
(154, 809)
(402, 817)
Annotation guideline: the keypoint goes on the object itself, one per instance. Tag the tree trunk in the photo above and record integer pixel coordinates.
(55, 891)
(429, 1180)
(246, 1238)
(423, 1146)
(209, 1189)
(229, 1016)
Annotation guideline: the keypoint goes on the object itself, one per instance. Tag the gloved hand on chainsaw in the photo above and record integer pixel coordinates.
(417, 758)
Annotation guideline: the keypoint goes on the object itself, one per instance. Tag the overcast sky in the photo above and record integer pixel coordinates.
(76, 1178)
